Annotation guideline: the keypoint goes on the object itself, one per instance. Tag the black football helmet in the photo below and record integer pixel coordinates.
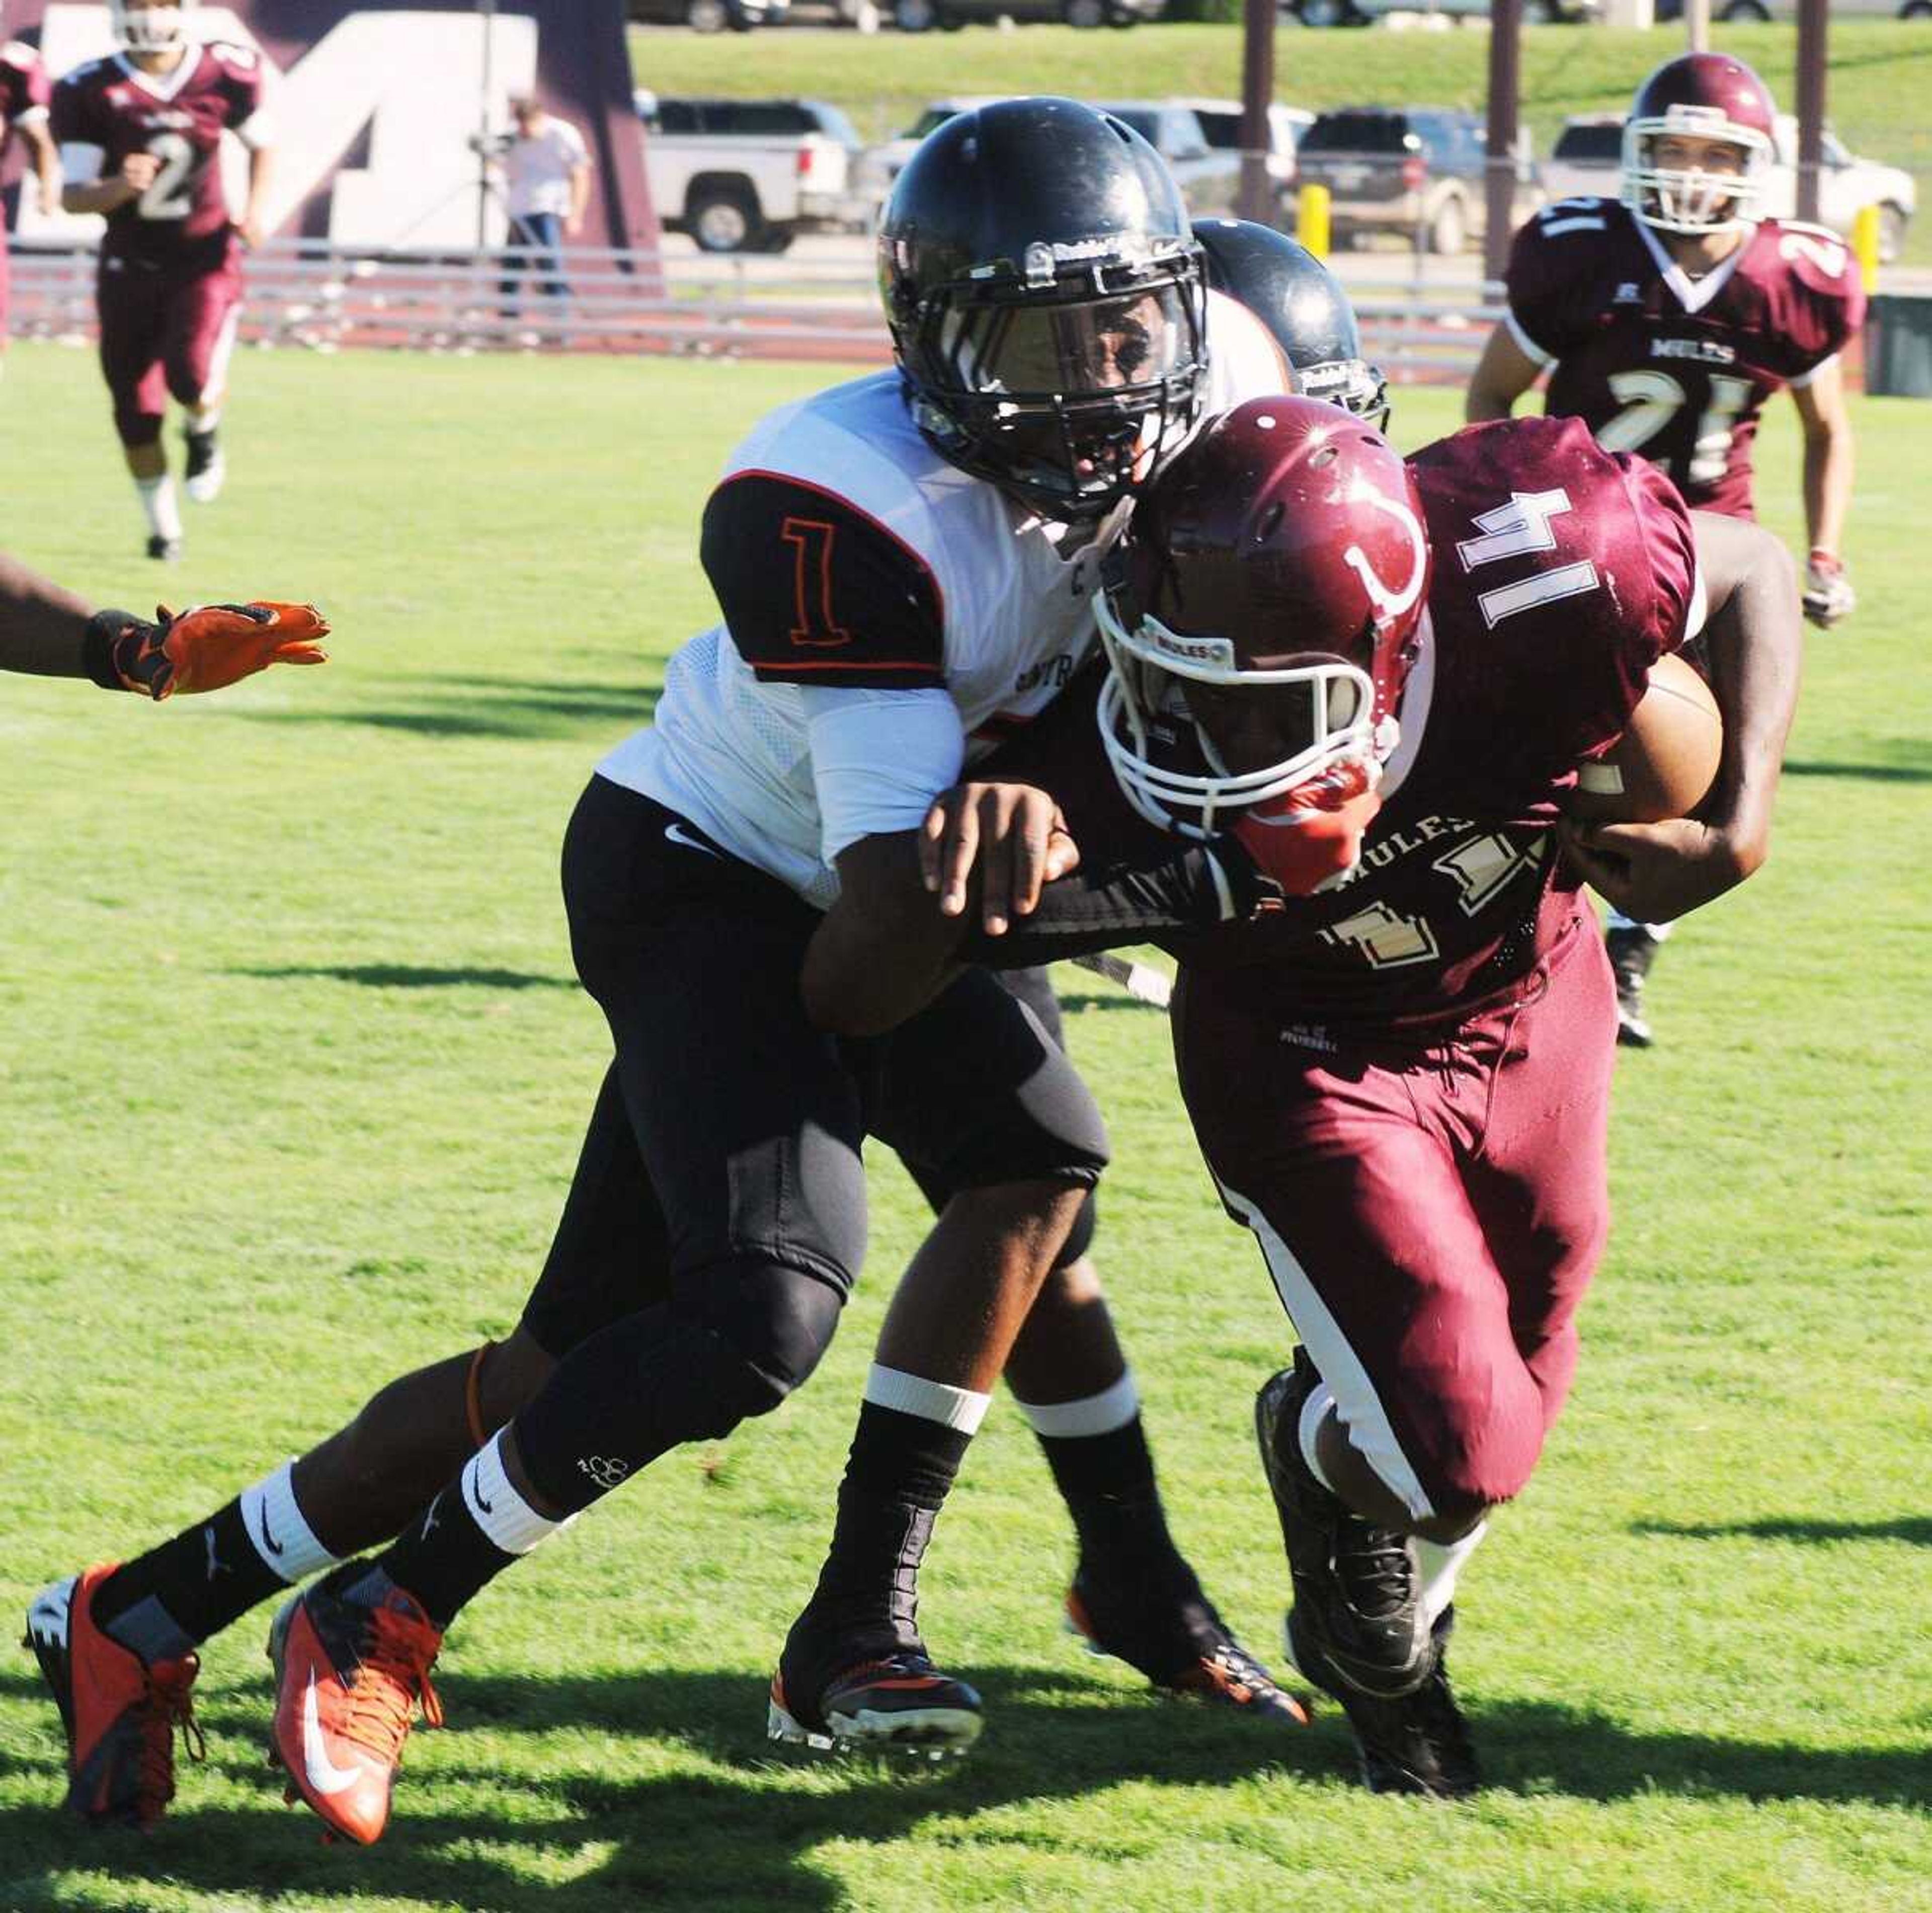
(1045, 299)
(1302, 303)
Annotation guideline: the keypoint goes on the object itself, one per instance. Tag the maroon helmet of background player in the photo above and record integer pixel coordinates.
(1259, 632)
(1702, 96)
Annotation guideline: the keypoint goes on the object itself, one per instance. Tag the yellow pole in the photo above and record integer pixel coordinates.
(1311, 218)
(1864, 244)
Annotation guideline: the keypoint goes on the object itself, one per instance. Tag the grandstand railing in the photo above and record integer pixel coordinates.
(323, 297)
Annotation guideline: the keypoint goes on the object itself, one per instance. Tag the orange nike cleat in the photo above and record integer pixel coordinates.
(120, 1712)
(348, 1681)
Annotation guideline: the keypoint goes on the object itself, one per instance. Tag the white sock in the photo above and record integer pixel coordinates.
(1113, 1407)
(164, 509)
(202, 418)
(276, 1525)
(958, 1408)
(1314, 1411)
(1439, 1566)
(503, 1514)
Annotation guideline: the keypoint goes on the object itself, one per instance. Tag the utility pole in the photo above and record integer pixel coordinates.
(1811, 104)
(1257, 194)
(1697, 25)
(1499, 172)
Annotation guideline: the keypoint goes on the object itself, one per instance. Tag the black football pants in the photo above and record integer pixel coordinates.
(717, 1221)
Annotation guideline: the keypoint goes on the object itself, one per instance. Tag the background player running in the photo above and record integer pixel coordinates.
(149, 121)
(1667, 319)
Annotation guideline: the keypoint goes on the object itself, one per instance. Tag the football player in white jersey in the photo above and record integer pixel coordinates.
(904, 564)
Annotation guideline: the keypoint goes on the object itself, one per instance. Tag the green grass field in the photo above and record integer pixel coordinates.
(294, 1071)
(1880, 77)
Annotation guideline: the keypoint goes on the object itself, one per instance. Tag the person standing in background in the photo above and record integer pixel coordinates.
(23, 109)
(546, 169)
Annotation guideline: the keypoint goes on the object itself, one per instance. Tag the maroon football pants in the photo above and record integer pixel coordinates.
(165, 328)
(1431, 1210)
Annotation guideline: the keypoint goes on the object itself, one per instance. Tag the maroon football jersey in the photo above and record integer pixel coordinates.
(1562, 573)
(1675, 368)
(179, 117)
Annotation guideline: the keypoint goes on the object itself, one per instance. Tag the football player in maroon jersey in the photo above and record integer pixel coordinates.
(169, 290)
(23, 112)
(1364, 688)
(1667, 319)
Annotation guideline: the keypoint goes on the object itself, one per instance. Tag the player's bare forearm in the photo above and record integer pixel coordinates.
(884, 951)
(261, 174)
(1754, 636)
(1828, 484)
(43, 627)
(100, 196)
(1502, 375)
(46, 165)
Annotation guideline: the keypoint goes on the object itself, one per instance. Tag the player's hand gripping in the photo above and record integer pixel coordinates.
(209, 646)
(1654, 872)
(1016, 835)
(1828, 595)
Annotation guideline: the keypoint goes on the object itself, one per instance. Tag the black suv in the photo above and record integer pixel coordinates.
(1416, 171)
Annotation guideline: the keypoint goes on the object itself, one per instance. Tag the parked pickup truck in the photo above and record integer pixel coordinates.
(749, 175)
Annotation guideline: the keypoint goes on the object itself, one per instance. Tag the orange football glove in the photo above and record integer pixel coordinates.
(209, 646)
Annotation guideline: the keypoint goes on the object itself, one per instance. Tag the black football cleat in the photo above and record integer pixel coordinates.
(166, 550)
(1633, 949)
(1357, 1583)
(897, 1704)
(1417, 1743)
(1172, 1635)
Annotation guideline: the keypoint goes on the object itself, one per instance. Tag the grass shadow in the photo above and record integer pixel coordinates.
(1916, 1529)
(483, 707)
(743, 1834)
(409, 976)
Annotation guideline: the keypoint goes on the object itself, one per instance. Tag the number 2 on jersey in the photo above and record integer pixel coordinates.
(168, 197)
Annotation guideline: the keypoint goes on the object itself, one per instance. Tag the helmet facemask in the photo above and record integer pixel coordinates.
(1692, 201)
(1068, 387)
(150, 29)
(1168, 695)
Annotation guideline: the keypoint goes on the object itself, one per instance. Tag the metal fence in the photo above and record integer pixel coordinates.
(323, 298)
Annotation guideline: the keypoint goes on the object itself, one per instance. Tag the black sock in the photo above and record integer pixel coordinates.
(1108, 1483)
(896, 1480)
(207, 1575)
(445, 1559)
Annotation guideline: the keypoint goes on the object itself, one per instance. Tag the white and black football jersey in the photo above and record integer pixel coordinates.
(846, 553)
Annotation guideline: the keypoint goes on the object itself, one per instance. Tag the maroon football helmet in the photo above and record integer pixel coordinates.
(1703, 96)
(1263, 617)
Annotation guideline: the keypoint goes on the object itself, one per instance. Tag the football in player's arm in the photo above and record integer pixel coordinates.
(46, 631)
(1666, 319)
(1364, 882)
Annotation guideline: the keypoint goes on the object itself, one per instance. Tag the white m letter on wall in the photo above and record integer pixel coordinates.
(412, 82)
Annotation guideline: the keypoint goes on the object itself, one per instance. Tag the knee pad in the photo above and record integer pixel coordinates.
(137, 428)
(770, 1323)
(734, 1342)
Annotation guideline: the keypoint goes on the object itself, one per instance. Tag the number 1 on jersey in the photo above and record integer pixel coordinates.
(811, 540)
